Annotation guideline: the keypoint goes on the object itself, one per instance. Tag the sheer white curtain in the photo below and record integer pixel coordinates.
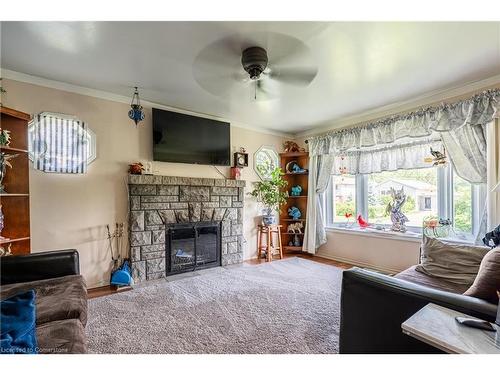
(320, 169)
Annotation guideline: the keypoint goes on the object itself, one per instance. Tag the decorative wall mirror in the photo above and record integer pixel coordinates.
(265, 159)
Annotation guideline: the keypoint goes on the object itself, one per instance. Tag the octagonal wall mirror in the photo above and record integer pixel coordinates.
(265, 159)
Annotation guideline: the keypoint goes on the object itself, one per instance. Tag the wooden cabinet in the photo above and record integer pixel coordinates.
(15, 200)
(300, 201)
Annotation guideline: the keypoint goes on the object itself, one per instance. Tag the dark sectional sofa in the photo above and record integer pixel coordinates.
(61, 297)
(374, 305)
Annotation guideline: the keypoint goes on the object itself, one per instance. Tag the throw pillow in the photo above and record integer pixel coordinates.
(454, 262)
(18, 324)
(487, 281)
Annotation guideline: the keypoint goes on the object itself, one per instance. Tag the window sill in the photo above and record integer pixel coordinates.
(396, 236)
(368, 232)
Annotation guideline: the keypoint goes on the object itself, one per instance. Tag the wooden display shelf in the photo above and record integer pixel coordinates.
(292, 248)
(15, 201)
(10, 240)
(299, 201)
(13, 149)
(294, 154)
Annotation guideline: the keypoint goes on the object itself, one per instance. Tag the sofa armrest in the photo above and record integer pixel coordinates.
(373, 307)
(38, 266)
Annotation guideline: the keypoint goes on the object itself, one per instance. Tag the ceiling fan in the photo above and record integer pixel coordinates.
(235, 67)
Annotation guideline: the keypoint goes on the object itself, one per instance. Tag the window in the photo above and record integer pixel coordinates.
(420, 187)
(436, 192)
(343, 191)
(60, 143)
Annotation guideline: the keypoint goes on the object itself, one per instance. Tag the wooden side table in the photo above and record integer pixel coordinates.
(435, 325)
(266, 243)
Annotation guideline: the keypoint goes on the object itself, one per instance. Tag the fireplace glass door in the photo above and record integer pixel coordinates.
(191, 247)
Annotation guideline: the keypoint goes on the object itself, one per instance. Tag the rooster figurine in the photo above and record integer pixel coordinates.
(362, 223)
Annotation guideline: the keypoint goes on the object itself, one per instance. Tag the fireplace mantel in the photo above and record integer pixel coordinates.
(156, 201)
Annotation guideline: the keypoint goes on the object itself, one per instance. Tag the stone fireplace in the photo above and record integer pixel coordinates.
(158, 203)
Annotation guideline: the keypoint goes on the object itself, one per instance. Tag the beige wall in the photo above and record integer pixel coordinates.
(71, 211)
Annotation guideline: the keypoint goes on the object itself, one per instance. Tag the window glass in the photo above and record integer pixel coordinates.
(462, 204)
(343, 197)
(420, 187)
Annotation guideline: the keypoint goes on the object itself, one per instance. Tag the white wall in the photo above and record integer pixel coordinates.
(71, 211)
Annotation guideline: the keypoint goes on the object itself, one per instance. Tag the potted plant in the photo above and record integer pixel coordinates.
(271, 194)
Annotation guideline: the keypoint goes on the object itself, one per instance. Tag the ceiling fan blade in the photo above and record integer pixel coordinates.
(294, 76)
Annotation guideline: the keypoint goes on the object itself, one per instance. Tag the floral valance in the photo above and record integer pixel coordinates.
(388, 158)
(475, 111)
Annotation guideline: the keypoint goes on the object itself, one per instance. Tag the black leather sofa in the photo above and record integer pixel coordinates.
(61, 297)
(374, 305)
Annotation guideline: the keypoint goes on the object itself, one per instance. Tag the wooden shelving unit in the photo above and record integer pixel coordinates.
(300, 201)
(16, 201)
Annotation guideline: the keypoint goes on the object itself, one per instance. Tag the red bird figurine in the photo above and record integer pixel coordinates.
(362, 223)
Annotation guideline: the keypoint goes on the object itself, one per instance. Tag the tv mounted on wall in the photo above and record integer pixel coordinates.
(181, 138)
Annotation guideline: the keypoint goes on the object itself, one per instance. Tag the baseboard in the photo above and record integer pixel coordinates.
(389, 271)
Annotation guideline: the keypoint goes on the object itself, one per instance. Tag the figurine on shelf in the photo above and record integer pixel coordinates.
(297, 169)
(295, 227)
(4, 253)
(292, 167)
(135, 168)
(362, 223)
(291, 146)
(4, 137)
(4, 163)
(235, 173)
(294, 213)
(296, 241)
(2, 219)
(348, 216)
(395, 208)
(296, 190)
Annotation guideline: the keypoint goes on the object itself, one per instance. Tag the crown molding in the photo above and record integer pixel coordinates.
(100, 94)
(426, 99)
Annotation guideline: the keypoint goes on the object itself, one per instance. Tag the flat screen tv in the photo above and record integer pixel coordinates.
(181, 138)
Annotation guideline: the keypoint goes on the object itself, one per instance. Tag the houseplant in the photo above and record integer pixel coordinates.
(271, 194)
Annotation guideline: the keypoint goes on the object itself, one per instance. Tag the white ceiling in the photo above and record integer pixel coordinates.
(361, 66)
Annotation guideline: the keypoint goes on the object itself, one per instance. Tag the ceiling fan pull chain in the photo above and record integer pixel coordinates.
(255, 94)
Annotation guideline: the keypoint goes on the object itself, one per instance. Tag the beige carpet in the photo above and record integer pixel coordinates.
(287, 306)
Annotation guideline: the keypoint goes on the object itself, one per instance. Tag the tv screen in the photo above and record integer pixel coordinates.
(181, 138)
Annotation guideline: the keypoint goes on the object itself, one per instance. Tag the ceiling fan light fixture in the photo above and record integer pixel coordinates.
(254, 61)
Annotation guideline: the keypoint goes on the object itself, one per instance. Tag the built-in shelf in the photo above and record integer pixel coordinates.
(298, 201)
(6, 148)
(13, 195)
(292, 248)
(293, 154)
(13, 240)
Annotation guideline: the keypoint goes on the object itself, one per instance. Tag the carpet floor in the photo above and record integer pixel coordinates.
(287, 306)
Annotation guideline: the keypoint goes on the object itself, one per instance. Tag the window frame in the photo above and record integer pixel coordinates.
(90, 135)
(445, 202)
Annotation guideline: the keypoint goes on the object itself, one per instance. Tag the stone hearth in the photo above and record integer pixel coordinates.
(155, 200)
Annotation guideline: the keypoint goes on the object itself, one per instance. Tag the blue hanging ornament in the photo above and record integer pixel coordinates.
(136, 113)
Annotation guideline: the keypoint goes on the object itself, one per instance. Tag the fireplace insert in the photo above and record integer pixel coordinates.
(192, 246)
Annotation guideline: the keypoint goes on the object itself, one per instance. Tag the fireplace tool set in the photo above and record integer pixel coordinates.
(121, 274)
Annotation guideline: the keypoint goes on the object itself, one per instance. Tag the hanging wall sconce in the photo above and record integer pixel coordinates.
(136, 113)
